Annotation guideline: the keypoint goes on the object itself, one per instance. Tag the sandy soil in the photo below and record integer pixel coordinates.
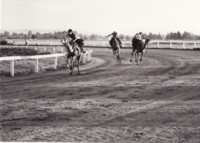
(157, 101)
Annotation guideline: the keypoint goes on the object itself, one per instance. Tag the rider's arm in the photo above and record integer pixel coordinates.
(120, 42)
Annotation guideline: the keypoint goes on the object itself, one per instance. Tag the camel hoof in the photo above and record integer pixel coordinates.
(70, 73)
(131, 60)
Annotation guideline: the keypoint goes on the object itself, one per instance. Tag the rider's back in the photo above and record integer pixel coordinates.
(115, 42)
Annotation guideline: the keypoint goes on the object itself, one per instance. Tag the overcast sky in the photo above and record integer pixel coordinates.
(101, 16)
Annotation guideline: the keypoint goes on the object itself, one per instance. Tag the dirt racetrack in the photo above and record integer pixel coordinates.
(157, 101)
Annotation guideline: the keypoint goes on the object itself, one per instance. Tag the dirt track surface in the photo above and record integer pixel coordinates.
(157, 101)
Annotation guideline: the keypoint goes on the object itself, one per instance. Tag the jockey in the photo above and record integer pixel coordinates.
(65, 42)
(115, 41)
(137, 38)
(79, 42)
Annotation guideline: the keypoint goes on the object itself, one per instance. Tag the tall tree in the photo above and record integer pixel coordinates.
(188, 36)
(6, 34)
(29, 34)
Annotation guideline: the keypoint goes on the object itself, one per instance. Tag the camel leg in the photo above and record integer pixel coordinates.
(78, 68)
(78, 64)
(141, 56)
(117, 55)
(119, 52)
(113, 52)
(132, 55)
(67, 61)
(72, 66)
(118, 58)
(136, 57)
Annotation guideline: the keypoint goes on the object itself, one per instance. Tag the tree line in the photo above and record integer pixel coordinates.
(60, 34)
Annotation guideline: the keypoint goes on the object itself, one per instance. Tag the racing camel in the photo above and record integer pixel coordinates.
(138, 49)
(73, 55)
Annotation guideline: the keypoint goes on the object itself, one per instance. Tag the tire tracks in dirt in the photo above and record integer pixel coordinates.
(169, 65)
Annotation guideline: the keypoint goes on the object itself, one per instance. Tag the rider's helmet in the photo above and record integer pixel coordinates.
(114, 33)
(140, 33)
(70, 30)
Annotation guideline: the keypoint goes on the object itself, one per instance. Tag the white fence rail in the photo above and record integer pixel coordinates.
(174, 44)
(86, 57)
(55, 46)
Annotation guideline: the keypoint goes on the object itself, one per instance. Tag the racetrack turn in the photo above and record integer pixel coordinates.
(156, 101)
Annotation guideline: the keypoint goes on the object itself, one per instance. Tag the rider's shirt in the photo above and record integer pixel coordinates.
(72, 36)
(115, 42)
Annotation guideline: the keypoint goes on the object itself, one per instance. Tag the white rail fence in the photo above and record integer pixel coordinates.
(85, 58)
(154, 43)
(174, 44)
(55, 46)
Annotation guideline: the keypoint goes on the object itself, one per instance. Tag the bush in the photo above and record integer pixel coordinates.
(3, 42)
(20, 52)
(196, 48)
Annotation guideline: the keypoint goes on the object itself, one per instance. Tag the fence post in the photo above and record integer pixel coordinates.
(12, 67)
(45, 49)
(158, 45)
(54, 50)
(183, 45)
(170, 44)
(94, 44)
(61, 49)
(37, 66)
(123, 44)
(103, 44)
(195, 44)
(55, 62)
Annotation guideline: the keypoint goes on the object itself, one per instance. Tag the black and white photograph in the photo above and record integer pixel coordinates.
(100, 71)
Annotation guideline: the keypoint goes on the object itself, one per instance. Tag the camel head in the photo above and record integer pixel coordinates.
(147, 41)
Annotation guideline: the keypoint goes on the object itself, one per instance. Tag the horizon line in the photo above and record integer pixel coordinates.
(24, 31)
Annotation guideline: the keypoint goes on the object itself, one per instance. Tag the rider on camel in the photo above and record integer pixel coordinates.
(115, 41)
(79, 42)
